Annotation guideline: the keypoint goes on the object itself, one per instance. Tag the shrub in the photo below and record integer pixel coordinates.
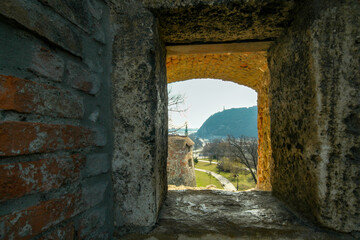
(224, 165)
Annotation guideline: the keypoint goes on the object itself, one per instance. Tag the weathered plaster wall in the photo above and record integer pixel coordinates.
(140, 118)
(55, 138)
(180, 154)
(265, 161)
(315, 116)
(245, 68)
(190, 21)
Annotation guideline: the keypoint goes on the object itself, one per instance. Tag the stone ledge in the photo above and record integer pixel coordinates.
(214, 214)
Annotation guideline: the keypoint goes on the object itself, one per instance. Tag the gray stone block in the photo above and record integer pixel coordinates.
(47, 63)
(96, 164)
(81, 78)
(42, 21)
(76, 11)
(93, 192)
(91, 222)
(100, 137)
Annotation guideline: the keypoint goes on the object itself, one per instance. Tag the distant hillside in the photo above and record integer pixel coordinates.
(236, 122)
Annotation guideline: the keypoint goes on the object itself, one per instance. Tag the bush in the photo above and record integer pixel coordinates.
(228, 165)
(224, 165)
(196, 160)
(235, 169)
(220, 166)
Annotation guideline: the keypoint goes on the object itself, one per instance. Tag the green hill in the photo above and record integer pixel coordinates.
(236, 122)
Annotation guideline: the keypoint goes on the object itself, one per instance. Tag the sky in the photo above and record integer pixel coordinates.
(204, 97)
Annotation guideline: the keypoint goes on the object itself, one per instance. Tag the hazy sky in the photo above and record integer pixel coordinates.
(204, 97)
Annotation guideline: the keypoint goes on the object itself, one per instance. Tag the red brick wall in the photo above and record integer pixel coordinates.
(54, 108)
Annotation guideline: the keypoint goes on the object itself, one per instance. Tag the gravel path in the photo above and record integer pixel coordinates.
(207, 161)
(224, 181)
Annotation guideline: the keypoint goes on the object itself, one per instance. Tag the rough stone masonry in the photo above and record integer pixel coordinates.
(180, 163)
(83, 108)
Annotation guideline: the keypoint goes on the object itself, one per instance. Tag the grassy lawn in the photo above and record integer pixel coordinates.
(203, 179)
(245, 181)
(206, 166)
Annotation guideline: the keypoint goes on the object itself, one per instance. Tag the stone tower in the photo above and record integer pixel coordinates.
(180, 163)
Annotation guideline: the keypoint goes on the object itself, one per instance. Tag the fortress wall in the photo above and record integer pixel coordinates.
(314, 109)
(55, 138)
(140, 118)
(83, 119)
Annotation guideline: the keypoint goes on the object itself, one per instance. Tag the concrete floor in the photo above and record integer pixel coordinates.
(214, 214)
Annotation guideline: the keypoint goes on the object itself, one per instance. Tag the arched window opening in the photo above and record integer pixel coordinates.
(213, 127)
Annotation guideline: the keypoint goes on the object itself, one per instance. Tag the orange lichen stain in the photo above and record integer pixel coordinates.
(30, 222)
(19, 179)
(19, 138)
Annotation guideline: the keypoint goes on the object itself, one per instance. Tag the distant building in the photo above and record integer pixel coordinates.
(180, 164)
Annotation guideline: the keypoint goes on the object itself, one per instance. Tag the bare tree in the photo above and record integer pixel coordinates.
(215, 149)
(176, 104)
(244, 150)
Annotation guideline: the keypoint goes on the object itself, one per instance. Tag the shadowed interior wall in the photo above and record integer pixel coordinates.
(55, 120)
(202, 21)
(140, 118)
(314, 109)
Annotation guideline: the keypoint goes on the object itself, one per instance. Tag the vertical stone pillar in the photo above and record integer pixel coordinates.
(315, 116)
(265, 162)
(140, 118)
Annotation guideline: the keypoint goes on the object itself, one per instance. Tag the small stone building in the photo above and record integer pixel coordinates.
(180, 163)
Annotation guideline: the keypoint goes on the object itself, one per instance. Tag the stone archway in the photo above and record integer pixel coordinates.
(244, 68)
(313, 99)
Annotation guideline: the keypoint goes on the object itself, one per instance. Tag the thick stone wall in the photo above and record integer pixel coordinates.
(55, 138)
(140, 118)
(69, 115)
(180, 163)
(314, 112)
(190, 21)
